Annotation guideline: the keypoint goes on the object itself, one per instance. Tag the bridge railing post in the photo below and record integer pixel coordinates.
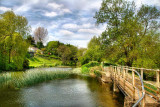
(157, 78)
(124, 76)
(127, 73)
(133, 82)
(143, 101)
(115, 73)
(118, 69)
(142, 73)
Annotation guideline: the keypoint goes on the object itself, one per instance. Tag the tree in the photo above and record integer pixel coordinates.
(68, 54)
(31, 40)
(14, 29)
(52, 47)
(94, 51)
(130, 32)
(40, 45)
(80, 55)
(40, 34)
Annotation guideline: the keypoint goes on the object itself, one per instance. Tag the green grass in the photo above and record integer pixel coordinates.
(4, 78)
(30, 78)
(43, 62)
(152, 87)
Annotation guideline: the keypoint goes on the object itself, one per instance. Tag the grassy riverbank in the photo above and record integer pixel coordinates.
(15, 80)
(37, 61)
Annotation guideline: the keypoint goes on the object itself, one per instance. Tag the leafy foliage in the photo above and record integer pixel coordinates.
(68, 54)
(13, 46)
(93, 53)
(86, 67)
(132, 35)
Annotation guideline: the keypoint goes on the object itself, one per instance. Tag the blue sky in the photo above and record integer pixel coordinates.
(68, 21)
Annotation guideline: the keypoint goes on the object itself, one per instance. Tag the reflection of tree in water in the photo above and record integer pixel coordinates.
(5, 98)
(104, 93)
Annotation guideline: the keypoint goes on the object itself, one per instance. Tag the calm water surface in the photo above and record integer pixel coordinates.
(74, 92)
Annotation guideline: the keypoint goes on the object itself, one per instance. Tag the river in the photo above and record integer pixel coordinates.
(79, 91)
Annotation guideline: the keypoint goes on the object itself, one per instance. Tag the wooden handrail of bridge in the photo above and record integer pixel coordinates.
(119, 74)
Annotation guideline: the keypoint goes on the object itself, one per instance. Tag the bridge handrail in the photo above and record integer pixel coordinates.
(143, 91)
(142, 85)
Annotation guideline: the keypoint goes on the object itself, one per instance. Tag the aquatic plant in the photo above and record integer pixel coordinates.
(35, 77)
(5, 77)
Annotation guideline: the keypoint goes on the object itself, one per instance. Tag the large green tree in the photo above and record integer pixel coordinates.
(13, 32)
(52, 47)
(68, 54)
(131, 34)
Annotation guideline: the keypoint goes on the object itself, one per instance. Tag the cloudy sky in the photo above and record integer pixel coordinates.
(68, 21)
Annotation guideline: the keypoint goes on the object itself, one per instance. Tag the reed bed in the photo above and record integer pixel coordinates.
(4, 78)
(30, 78)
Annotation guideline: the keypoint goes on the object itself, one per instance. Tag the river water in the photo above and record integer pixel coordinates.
(79, 91)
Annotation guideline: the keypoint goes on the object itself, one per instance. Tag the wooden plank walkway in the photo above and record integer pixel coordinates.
(130, 85)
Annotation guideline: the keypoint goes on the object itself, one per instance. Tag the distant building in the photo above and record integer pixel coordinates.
(33, 50)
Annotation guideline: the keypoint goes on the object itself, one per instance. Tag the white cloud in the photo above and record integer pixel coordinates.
(53, 26)
(51, 14)
(23, 8)
(70, 26)
(58, 8)
(66, 32)
(79, 43)
(4, 9)
(66, 11)
(87, 25)
(55, 5)
(91, 31)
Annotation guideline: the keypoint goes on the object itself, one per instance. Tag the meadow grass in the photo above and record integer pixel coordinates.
(37, 61)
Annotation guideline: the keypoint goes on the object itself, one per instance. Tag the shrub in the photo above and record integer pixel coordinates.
(150, 75)
(85, 69)
(92, 64)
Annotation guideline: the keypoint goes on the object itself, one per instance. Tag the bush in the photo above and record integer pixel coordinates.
(150, 75)
(92, 64)
(85, 69)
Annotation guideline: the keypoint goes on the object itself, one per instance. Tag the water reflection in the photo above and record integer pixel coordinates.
(75, 92)
(78, 91)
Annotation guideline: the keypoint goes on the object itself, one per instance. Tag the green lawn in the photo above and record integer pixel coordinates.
(37, 61)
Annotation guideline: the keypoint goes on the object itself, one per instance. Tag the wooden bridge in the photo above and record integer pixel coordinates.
(128, 80)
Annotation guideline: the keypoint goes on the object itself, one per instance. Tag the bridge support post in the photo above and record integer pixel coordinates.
(115, 88)
(133, 83)
(142, 73)
(143, 102)
(157, 78)
(124, 76)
